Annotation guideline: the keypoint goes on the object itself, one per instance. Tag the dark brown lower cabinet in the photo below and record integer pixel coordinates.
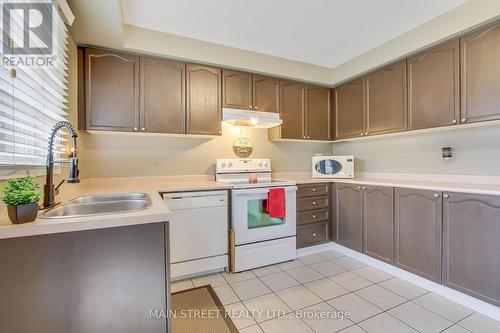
(95, 281)
(471, 245)
(378, 222)
(418, 217)
(313, 214)
(349, 216)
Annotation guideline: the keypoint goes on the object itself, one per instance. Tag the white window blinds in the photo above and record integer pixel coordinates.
(33, 87)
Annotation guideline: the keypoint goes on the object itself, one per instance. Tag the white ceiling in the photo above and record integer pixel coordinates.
(321, 32)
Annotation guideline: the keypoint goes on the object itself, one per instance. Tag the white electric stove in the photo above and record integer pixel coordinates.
(256, 238)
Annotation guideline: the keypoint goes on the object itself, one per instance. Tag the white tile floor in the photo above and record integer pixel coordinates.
(329, 282)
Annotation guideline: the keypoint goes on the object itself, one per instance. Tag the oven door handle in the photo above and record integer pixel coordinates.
(261, 190)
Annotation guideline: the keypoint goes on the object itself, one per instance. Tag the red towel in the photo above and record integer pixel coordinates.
(276, 203)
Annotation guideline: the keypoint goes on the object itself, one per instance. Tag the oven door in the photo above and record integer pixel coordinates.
(251, 223)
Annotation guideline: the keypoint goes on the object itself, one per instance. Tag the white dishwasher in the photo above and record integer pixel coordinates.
(198, 232)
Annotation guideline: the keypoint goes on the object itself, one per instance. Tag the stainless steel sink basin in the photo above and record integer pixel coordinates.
(111, 197)
(100, 205)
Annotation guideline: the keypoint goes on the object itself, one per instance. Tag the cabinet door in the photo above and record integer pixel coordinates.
(350, 110)
(203, 100)
(292, 110)
(472, 244)
(480, 75)
(378, 222)
(318, 113)
(266, 93)
(418, 232)
(433, 87)
(162, 96)
(386, 109)
(236, 90)
(349, 219)
(112, 90)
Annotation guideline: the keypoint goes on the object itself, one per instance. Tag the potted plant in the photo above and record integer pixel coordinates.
(21, 195)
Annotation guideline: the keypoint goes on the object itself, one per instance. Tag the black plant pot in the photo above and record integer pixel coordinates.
(22, 213)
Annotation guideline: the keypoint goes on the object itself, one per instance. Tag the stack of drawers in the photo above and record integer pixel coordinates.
(313, 214)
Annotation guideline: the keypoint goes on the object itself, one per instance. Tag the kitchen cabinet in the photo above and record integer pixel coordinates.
(242, 90)
(266, 93)
(203, 102)
(480, 75)
(434, 87)
(349, 216)
(471, 227)
(313, 214)
(350, 110)
(378, 222)
(418, 218)
(386, 109)
(162, 97)
(305, 112)
(293, 95)
(317, 113)
(81, 281)
(111, 90)
(236, 90)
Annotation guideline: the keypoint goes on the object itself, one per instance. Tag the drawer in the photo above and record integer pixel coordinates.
(312, 216)
(312, 203)
(312, 234)
(310, 190)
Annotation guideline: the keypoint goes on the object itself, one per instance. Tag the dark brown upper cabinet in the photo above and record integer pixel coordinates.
(350, 110)
(386, 109)
(349, 216)
(266, 93)
(162, 101)
(293, 105)
(111, 90)
(480, 75)
(472, 244)
(418, 220)
(434, 87)
(236, 89)
(317, 113)
(203, 100)
(305, 111)
(378, 222)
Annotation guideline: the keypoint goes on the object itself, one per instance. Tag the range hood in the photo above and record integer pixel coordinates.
(256, 119)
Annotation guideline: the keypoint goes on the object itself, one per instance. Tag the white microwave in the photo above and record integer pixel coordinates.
(333, 166)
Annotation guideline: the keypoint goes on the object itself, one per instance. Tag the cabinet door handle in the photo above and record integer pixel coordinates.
(143, 129)
(362, 134)
(446, 196)
(436, 195)
(454, 121)
(255, 107)
(135, 128)
(464, 120)
(363, 187)
(359, 187)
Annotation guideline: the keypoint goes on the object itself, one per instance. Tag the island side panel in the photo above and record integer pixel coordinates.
(105, 280)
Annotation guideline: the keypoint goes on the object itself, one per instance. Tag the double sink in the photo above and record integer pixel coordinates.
(102, 204)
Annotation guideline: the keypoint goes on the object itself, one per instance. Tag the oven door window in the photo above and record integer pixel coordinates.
(257, 216)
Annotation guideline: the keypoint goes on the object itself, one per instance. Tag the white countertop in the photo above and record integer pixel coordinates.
(443, 183)
(153, 186)
(158, 212)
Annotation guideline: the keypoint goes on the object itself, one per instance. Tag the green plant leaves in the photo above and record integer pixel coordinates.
(21, 191)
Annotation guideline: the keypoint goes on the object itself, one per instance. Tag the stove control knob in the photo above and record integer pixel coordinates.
(223, 165)
(230, 164)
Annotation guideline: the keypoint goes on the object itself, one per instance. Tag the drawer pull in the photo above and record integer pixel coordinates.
(314, 189)
(314, 216)
(314, 234)
(314, 203)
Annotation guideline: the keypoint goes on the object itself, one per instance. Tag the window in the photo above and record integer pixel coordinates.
(33, 83)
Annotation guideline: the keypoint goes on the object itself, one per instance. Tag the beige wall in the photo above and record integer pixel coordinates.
(476, 152)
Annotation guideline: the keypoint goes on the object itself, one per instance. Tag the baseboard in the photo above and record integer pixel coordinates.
(451, 294)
